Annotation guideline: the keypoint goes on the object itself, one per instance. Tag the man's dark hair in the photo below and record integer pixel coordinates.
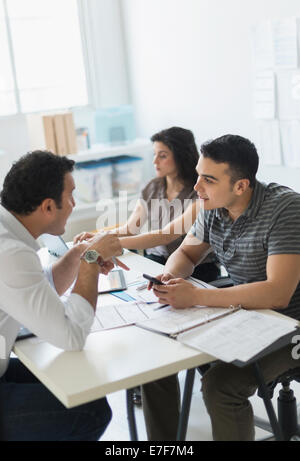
(240, 154)
(33, 178)
(182, 143)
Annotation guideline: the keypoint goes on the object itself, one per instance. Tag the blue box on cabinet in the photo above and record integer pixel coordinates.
(115, 125)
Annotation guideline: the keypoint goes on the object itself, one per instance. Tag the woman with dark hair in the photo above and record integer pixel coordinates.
(181, 144)
(166, 198)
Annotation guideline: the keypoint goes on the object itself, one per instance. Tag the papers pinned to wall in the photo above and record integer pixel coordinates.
(269, 142)
(285, 43)
(290, 138)
(264, 95)
(288, 84)
(262, 46)
(275, 44)
(277, 90)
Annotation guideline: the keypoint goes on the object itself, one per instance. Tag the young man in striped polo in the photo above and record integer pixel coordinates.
(254, 229)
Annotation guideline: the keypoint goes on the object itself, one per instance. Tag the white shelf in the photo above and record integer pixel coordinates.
(139, 147)
(89, 210)
(102, 151)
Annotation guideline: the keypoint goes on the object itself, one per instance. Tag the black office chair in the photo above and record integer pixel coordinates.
(2, 436)
(286, 407)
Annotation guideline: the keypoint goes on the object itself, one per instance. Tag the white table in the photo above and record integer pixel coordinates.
(111, 360)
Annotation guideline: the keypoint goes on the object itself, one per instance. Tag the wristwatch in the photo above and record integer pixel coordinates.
(92, 257)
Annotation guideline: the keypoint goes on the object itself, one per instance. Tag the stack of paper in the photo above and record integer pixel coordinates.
(122, 314)
(174, 321)
(239, 336)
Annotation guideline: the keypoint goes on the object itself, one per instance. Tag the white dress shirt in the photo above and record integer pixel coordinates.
(28, 296)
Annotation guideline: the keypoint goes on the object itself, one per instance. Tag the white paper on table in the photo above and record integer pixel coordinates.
(239, 336)
(149, 296)
(122, 314)
(269, 142)
(200, 284)
(133, 277)
(173, 321)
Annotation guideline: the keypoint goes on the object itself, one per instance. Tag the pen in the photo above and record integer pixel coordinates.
(160, 307)
(142, 287)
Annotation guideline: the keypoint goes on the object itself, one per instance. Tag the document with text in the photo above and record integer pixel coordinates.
(145, 311)
(122, 314)
(239, 336)
(174, 321)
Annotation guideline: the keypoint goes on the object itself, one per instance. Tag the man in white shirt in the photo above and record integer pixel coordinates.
(37, 198)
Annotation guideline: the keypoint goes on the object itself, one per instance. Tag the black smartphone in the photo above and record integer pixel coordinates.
(152, 279)
(24, 334)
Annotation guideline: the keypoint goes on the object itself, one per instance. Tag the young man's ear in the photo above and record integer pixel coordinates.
(241, 186)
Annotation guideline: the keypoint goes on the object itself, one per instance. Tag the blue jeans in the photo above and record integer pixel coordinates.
(30, 412)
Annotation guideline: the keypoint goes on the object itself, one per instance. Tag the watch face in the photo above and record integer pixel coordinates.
(91, 256)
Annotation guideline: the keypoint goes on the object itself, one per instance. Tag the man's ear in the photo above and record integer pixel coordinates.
(48, 206)
(241, 186)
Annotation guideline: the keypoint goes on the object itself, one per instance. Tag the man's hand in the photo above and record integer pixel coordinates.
(106, 267)
(108, 245)
(65, 269)
(178, 293)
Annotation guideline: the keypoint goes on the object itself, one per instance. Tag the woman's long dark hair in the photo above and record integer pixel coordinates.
(182, 143)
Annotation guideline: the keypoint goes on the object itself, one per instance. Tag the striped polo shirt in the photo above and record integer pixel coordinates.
(270, 225)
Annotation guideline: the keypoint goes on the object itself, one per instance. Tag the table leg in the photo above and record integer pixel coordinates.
(186, 405)
(130, 416)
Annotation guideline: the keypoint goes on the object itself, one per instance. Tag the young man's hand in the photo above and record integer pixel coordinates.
(163, 278)
(178, 293)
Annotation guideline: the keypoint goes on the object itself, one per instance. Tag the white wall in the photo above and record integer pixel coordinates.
(190, 64)
(106, 51)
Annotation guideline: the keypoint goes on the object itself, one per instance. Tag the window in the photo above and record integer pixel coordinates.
(41, 55)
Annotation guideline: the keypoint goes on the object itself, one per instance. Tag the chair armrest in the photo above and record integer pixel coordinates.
(222, 282)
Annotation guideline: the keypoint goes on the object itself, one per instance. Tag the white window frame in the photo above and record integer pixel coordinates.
(88, 53)
(88, 58)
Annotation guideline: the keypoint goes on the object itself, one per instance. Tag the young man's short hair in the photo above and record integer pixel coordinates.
(33, 178)
(240, 154)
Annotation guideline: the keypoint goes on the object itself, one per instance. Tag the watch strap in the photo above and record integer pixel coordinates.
(100, 260)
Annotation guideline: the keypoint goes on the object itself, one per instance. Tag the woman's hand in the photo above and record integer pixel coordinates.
(83, 236)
